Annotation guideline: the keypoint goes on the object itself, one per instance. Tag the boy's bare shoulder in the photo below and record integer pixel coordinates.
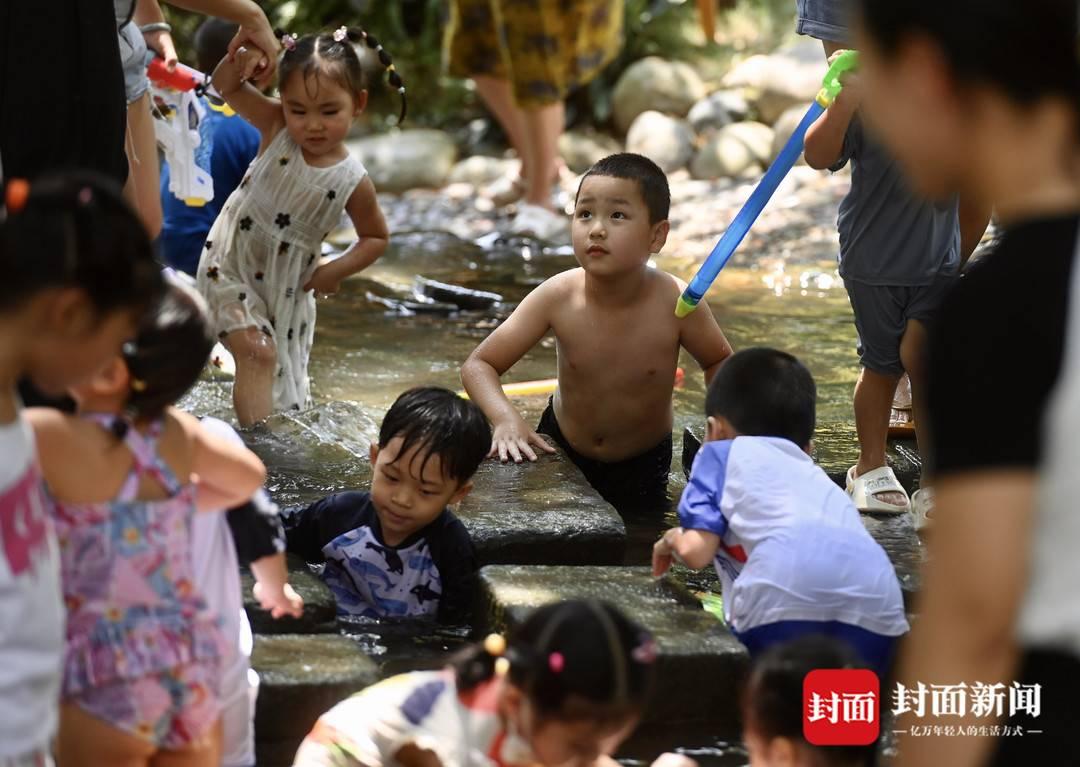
(566, 282)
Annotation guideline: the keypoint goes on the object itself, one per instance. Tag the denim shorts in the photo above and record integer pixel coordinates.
(824, 19)
(135, 57)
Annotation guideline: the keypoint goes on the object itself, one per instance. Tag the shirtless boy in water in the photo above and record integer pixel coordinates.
(617, 340)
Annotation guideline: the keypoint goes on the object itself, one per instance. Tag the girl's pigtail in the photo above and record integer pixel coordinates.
(288, 42)
(481, 662)
(359, 35)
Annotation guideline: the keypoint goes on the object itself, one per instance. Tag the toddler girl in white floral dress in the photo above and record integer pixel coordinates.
(261, 265)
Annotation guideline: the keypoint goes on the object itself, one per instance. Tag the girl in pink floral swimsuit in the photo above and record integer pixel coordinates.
(141, 657)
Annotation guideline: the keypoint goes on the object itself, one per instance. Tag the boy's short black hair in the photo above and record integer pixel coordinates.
(444, 424)
(651, 180)
(765, 393)
(212, 40)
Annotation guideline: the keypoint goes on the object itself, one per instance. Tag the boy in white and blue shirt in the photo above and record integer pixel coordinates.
(788, 544)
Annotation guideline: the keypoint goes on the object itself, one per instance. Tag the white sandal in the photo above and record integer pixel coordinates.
(865, 489)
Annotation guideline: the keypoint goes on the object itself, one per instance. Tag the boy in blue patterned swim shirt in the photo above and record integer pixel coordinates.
(398, 551)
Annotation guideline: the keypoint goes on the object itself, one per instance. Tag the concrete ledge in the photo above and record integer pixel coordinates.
(300, 677)
(541, 513)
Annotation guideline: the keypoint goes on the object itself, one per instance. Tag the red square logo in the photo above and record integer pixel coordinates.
(841, 707)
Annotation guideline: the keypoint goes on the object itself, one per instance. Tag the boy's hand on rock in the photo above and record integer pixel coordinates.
(517, 440)
(280, 602)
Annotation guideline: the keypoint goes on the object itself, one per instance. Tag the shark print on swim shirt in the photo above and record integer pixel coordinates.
(428, 574)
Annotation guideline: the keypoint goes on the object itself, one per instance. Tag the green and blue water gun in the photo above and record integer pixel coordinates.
(718, 258)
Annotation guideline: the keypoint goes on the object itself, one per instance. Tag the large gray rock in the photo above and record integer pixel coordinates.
(739, 149)
(665, 140)
(580, 150)
(542, 512)
(320, 609)
(401, 161)
(784, 79)
(783, 128)
(653, 83)
(300, 677)
(717, 110)
(700, 664)
(479, 170)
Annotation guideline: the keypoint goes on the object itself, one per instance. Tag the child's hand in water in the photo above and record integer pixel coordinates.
(279, 601)
(662, 557)
(323, 280)
(852, 91)
(514, 440)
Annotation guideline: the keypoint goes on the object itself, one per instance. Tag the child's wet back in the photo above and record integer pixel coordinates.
(617, 341)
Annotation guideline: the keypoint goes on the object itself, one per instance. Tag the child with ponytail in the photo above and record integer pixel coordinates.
(566, 689)
(141, 666)
(261, 266)
(79, 272)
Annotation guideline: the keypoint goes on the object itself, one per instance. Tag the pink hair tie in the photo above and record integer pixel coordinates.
(556, 662)
(288, 41)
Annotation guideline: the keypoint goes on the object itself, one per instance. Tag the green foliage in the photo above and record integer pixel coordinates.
(412, 30)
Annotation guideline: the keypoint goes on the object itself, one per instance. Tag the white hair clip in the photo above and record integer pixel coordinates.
(341, 34)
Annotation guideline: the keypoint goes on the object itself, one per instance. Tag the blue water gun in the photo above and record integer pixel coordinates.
(830, 89)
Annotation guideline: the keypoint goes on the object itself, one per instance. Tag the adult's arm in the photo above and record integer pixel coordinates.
(972, 587)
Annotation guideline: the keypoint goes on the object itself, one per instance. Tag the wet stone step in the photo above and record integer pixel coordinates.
(700, 664)
(541, 513)
(300, 677)
(895, 532)
(320, 609)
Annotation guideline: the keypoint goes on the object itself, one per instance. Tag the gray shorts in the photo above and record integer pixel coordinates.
(824, 19)
(881, 316)
(135, 57)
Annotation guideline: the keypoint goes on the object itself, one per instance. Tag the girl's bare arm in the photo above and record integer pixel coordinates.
(228, 474)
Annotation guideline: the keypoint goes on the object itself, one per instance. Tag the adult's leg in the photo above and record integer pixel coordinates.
(256, 362)
(142, 189)
(498, 97)
(543, 126)
(87, 741)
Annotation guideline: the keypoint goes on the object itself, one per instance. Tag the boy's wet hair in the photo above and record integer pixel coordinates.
(772, 700)
(75, 230)
(574, 661)
(212, 40)
(651, 180)
(442, 424)
(990, 42)
(325, 54)
(765, 393)
(169, 352)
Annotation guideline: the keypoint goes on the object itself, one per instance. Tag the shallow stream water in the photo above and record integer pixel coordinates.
(366, 354)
